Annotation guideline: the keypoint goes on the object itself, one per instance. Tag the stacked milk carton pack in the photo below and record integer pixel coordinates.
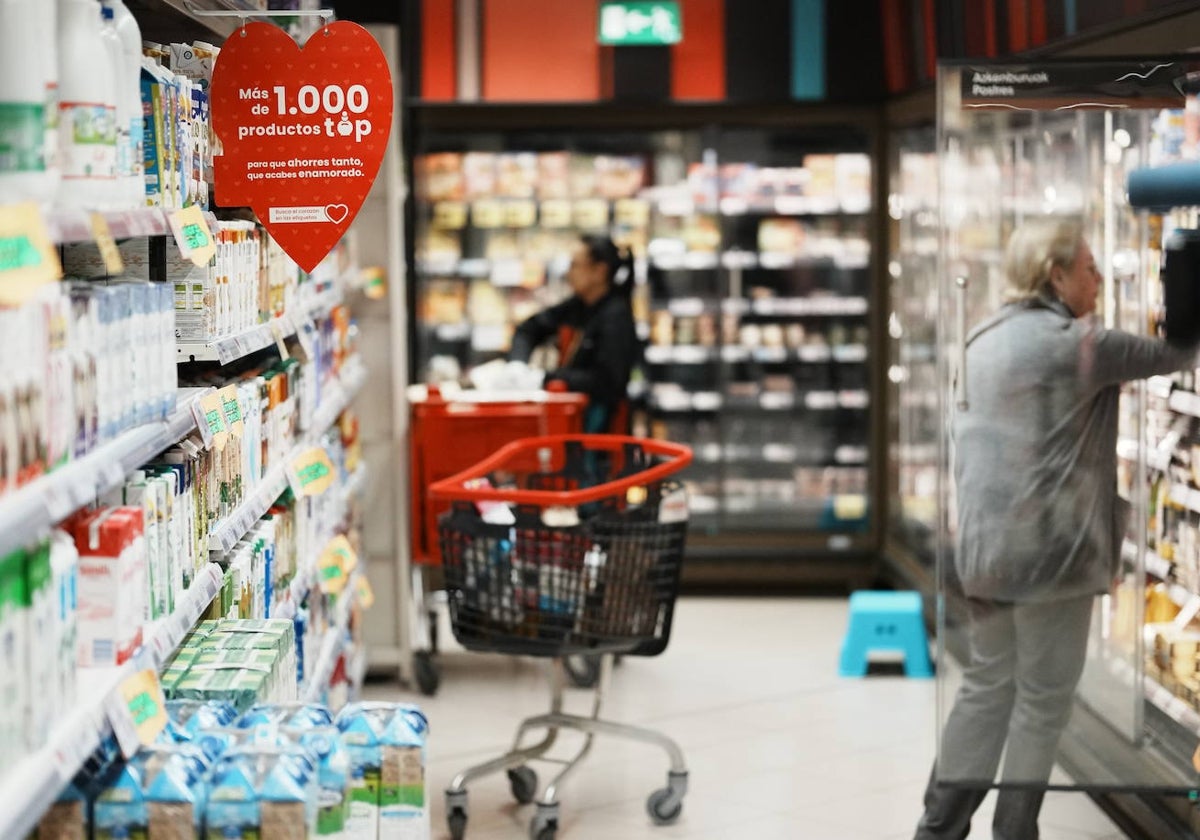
(273, 772)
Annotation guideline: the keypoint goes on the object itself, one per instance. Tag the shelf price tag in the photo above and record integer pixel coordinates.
(137, 711)
(311, 472)
(232, 410)
(337, 561)
(109, 252)
(27, 257)
(192, 235)
(211, 421)
(364, 593)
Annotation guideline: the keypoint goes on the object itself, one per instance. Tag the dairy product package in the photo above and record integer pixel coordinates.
(386, 744)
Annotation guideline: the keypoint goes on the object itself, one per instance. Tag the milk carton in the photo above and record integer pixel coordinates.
(386, 745)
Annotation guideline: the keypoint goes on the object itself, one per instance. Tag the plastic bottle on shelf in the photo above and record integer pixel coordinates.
(87, 108)
(129, 104)
(23, 172)
(130, 37)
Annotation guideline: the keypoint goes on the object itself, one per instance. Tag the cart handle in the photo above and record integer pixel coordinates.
(452, 489)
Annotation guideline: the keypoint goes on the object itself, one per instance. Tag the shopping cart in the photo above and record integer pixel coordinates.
(449, 432)
(562, 545)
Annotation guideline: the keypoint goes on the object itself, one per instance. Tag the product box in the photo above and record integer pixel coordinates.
(386, 745)
(160, 792)
(112, 585)
(66, 819)
(261, 792)
(14, 651)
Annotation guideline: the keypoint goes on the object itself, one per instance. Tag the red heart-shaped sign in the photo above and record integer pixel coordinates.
(304, 131)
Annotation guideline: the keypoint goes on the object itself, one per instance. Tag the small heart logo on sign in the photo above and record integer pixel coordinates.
(325, 112)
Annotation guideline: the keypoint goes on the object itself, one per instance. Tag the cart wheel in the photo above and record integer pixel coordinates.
(426, 672)
(584, 670)
(664, 806)
(456, 821)
(543, 826)
(523, 781)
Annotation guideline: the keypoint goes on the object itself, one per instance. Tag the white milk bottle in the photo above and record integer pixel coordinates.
(87, 108)
(130, 37)
(23, 172)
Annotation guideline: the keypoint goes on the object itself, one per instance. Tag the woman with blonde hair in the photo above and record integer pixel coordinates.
(1039, 522)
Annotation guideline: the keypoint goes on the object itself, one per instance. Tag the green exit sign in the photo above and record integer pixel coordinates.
(645, 23)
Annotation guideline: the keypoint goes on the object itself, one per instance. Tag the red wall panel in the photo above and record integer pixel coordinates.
(439, 73)
(698, 61)
(535, 51)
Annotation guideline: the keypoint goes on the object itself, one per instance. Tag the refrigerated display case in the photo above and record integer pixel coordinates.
(1060, 138)
(913, 237)
(753, 297)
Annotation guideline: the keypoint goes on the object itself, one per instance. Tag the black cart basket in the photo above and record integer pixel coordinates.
(565, 545)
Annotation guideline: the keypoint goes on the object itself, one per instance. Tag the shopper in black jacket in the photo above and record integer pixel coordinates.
(597, 342)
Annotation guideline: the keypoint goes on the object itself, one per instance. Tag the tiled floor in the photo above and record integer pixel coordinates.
(778, 745)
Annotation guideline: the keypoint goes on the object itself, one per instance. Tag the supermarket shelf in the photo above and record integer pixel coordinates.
(306, 577)
(778, 453)
(1185, 402)
(783, 205)
(1154, 564)
(34, 782)
(149, 10)
(684, 354)
(683, 401)
(812, 306)
(259, 337)
(1185, 496)
(27, 513)
(331, 643)
(233, 527)
(774, 260)
(67, 226)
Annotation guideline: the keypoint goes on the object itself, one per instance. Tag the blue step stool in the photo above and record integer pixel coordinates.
(885, 621)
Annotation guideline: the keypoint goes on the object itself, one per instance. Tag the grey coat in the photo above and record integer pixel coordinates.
(1035, 452)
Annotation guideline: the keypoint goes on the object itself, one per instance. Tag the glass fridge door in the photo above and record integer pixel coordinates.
(1047, 492)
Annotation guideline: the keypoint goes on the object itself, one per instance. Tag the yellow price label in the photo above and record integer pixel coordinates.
(28, 260)
(364, 593)
(138, 712)
(312, 472)
(192, 235)
(232, 410)
(212, 410)
(109, 252)
(337, 561)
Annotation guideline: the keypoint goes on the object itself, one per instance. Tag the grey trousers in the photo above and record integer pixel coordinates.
(1017, 691)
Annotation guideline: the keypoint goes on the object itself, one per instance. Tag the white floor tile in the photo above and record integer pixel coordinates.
(778, 746)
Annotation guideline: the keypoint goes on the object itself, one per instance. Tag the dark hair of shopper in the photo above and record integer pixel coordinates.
(601, 249)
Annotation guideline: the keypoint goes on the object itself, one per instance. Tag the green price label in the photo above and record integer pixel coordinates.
(194, 236)
(142, 708)
(313, 472)
(233, 411)
(331, 573)
(18, 252)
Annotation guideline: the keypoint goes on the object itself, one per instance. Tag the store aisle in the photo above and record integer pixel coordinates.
(778, 745)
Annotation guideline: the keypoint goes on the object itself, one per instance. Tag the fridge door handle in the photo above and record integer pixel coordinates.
(960, 381)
